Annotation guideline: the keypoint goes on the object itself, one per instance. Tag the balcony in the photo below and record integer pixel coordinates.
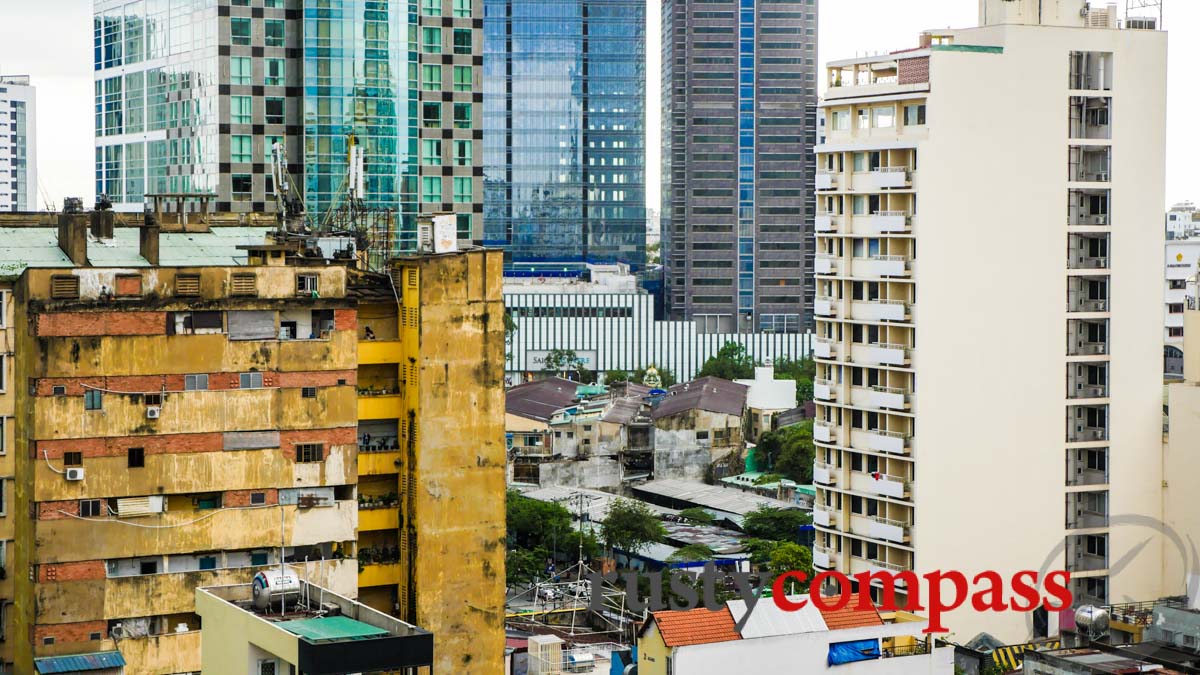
(379, 351)
(876, 396)
(824, 558)
(824, 473)
(878, 440)
(378, 518)
(826, 264)
(883, 484)
(1087, 380)
(823, 432)
(880, 266)
(1087, 294)
(1090, 117)
(379, 574)
(824, 348)
(1088, 207)
(879, 310)
(1079, 561)
(825, 306)
(824, 516)
(826, 222)
(888, 222)
(884, 354)
(1086, 434)
(1087, 337)
(878, 527)
(1087, 467)
(1087, 251)
(826, 180)
(824, 390)
(882, 178)
(872, 566)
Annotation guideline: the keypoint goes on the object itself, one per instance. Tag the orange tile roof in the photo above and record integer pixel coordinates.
(695, 626)
(850, 616)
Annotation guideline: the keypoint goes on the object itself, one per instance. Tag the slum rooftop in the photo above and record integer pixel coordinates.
(716, 498)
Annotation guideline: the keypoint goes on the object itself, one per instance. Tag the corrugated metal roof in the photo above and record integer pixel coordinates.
(22, 247)
(79, 663)
(330, 628)
(729, 500)
(538, 400)
(705, 393)
(768, 620)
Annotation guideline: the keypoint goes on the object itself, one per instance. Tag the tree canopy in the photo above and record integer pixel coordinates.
(788, 451)
(731, 362)
(692, 553)
(775, 524)
(788, 556)
(566, 363)
(638, 376)
(695, 514)
(631, 526)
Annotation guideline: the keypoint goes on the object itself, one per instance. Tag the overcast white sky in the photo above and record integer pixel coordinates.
(52, 41)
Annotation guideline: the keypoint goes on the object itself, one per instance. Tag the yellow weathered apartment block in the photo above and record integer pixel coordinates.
(189, 412)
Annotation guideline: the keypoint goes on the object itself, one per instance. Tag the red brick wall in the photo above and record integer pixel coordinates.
(88, 570)
(345, 319)
(148, 384)
(237, 498)
(70, 632)
(129, 285)
(913, 71)
(68, 324)
(330, 437)
(50, 510)
(319, 378)
(117, 446)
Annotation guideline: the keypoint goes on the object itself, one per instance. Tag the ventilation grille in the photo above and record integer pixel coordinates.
(244, 284)
(187, 284)
(64, 286)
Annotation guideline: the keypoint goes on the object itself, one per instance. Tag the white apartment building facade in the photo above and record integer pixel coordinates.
(18, 144)
(1181, 256)
(1183, 221)
(989, 392)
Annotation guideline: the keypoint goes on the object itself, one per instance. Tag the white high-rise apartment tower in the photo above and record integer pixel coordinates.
(988, 306)
(18, 145)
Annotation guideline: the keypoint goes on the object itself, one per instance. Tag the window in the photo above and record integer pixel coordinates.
(258, 558)
(431, 189)
(241, 109)
(1173, 284)
(242, 185)
(1175, 308)
(841, 120)
(274, 110)
(431, 152)
(240, 70)
(431, 40)
(914, 114)
(462, 225)
(431, 116)
(462, 189)
(308, 392)
(462, 78)
(462, 115)
(267, 667)
(239, 30)
(3, 309)
(91, 508)
(3, 442)
(462, 9)
(93, 399)
(58, 390)
(73, 458)
(152, 399)
(883, 117)
(148, 567)
(702, 435)
(273, 73)
(431, 7)
(268, 152)
(64, 287)
(137, 458)
(310, 452)
(1175, 331)
(195, 382)
(431, 77)
(258, 498)
(273, 30)
(250, 381)
(208, 562)
(462, 41)
(462, 153)
(240, 148)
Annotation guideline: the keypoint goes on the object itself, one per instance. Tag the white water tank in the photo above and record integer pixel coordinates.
(273, 586)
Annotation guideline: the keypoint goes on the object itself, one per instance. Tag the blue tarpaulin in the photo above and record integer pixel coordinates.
(849, 652)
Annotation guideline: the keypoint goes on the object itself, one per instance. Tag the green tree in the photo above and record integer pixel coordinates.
(775, 524)
(566, 363)
(731, 363)
(510, 329)
(532, 523)
(631, 526)
(692, 553)
(803, 371)
(615, 377)
(759, 550)
(522, 565)
(789, 451)
(696, 514)
(787, 557)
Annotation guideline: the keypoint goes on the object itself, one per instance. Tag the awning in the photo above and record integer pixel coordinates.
(856, 650)
(79, 663)
(1011, 657)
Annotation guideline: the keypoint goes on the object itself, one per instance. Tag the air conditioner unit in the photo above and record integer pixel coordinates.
(153, 412)
(75, 473)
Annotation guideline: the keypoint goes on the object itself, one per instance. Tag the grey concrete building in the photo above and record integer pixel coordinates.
(18, 144)
(739, 123)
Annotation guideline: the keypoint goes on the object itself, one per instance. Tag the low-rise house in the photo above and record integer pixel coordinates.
(766, 397)
(698, 425)
(851, 641)
(528, 409)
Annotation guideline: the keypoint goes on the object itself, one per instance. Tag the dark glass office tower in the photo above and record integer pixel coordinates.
(739, 122)
(564, 144)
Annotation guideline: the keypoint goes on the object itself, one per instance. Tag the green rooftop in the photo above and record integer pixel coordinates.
(331, 628)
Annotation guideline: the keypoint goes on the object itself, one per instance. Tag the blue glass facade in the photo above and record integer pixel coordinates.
(564, 148)
(746, 158)
(357, 86)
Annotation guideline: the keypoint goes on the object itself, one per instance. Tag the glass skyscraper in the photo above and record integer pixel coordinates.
(191, 95)
(564, 105)
(739, 127)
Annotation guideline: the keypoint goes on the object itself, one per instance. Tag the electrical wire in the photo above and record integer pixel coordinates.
(167, 527)
(47, 456)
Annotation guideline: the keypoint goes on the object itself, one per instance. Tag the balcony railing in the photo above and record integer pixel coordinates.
(914, 649)
(380, 388)
(824, 348)
(1087, 434)
(373, 443)
(1085, 562)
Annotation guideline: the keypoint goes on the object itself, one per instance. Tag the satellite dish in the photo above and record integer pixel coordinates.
(1092, 621)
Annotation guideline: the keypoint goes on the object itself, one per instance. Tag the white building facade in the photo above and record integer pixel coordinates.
(610, 325)
(18, 144)
(989, 385)
(1180, 260)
